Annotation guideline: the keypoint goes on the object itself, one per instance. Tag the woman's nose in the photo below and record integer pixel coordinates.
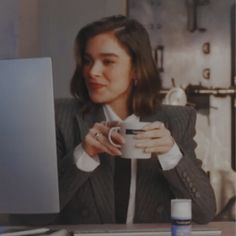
(95, 69)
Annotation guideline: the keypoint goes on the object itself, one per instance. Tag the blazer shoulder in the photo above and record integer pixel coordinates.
(64, 103)
(181, 111)
(66, 108)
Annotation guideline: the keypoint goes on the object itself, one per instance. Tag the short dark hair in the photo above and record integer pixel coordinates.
(134, 38)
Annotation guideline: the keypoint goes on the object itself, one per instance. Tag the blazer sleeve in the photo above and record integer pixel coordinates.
(187, 179)
(70, 177)
(68, 137)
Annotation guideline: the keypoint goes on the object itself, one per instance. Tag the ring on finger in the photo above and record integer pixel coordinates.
(97, 135)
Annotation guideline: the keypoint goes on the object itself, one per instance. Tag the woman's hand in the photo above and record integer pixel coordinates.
(156, 138)
(96, 141)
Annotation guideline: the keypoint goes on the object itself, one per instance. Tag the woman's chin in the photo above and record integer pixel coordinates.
(97, 100)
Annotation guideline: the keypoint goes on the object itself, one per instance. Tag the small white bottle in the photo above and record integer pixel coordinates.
(181, 217)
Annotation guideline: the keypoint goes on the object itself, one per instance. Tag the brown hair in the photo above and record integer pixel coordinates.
(134, 38)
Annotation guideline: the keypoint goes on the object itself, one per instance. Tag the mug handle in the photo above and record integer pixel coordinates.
(110, 136)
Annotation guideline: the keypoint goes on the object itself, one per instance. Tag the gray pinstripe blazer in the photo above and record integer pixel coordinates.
(88, 198)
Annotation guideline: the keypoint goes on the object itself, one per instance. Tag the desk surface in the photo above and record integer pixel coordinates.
(227, 228)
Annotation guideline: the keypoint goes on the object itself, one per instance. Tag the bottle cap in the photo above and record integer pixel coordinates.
(181, 209)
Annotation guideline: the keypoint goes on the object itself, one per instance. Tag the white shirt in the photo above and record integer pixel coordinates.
(87, 163)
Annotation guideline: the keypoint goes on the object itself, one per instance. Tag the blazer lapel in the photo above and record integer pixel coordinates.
(101, 179)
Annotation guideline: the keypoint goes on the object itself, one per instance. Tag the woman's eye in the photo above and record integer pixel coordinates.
(108, 62)
(86, 61)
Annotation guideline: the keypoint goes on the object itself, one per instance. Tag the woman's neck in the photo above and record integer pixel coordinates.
(121, 111)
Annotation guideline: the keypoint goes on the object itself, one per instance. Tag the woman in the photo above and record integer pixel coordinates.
(115, 80)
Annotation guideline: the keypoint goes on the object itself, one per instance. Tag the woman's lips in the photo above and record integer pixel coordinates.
(95, 85)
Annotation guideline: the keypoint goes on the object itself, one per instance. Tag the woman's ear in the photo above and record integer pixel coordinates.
(134, 77)
(135, 80)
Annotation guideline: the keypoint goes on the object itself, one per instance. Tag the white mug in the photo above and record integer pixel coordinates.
(128, 131)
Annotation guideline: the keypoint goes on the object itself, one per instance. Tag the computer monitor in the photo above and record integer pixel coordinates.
(28, 161)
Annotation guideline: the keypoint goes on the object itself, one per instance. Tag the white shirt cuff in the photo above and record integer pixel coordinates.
(170, 159)
(83, 161)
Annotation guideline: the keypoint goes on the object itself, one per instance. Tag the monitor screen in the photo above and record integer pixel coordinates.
(28, 162)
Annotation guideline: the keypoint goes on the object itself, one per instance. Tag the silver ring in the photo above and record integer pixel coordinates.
(97, 135)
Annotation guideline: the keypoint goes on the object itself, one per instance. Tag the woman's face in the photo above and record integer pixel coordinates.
(108, 71)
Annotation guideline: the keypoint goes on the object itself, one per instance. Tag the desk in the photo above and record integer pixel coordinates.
(227, 228)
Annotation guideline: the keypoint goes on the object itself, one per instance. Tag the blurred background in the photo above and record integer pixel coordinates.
(193, 44)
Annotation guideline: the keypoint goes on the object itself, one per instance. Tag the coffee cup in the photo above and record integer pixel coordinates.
(128, 149)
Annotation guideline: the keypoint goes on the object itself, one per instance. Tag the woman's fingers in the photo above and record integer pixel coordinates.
(155, 138)
(156, 145)
(154, 142)
(91, 145)
(106, 146)
(147, 143)
(154, 125)
(96, 141)
(151, 134)
(157, 150)
(153, 130)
